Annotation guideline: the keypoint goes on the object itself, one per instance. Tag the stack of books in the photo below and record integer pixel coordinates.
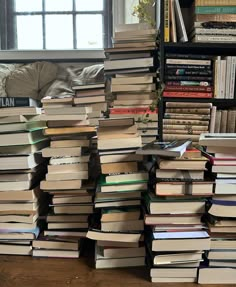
(67, 178)
(184, 120)
(188, 76)
(21, 169)
(176, 237)
(214, 21)
(118, 196)
(221, 213)
(93, 96)
(133, 80)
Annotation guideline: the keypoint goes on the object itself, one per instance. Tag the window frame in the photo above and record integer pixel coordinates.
(7, 28)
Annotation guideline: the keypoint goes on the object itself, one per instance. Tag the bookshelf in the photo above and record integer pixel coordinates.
(214, 49)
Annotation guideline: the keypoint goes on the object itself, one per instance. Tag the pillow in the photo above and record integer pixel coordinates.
(5, 70)
(31, 80)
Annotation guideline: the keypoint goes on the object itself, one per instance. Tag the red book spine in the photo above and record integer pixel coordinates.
(188, 88)
(187, 94)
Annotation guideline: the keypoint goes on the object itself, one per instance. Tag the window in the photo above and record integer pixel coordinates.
(55, 24)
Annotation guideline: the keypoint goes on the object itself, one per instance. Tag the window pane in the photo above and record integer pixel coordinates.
(89, 5)
(29, 32)
(58, 5)
(59, 33)
(89, 36)
(28, 6)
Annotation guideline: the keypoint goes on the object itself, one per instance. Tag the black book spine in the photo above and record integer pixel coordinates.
(189, 67)
(7, 102)
(188, 56)
(187, 78)
(188, 72)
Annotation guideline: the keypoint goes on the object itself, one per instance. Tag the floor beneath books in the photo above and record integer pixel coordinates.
(25, 271)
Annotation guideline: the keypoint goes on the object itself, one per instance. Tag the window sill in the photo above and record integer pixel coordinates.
(52, 55)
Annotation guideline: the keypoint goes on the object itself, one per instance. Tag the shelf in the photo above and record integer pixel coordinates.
(207, 48)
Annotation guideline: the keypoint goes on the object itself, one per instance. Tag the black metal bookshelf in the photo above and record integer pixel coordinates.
(214, 49)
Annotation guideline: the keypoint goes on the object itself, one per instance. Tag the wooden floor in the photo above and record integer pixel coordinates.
(25, 271)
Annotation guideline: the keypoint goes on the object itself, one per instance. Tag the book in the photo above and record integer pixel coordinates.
(28, 126)
(17, 111)
(180, 26)
(126, 64)
(171, 149)
(183, 188)
(182, 163)
(18, 102)
(20, 162)
(214, 3)
(21, 138)
(55, 253)
(214, 139)
(187, 94)
(68, 130)
(179, 174)
(116, 122)
(88, 86)
(215, 9)
(24, 149)
(173, 32)
(68, 111)
(216, 276)
(180, 241)
(167, 21)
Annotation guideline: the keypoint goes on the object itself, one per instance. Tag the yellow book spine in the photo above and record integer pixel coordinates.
(166, 21)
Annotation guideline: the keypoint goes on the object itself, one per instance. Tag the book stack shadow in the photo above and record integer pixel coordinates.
(118, 228)
(93, 96)
(184, 121)
(176, 237)
(129, 69)
(220, 149)
(67, 179)
(21, 169)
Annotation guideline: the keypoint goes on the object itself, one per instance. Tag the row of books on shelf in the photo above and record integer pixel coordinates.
(199, 22)
(199, 76)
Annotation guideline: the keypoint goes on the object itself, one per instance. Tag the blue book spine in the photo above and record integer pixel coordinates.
(215, 9)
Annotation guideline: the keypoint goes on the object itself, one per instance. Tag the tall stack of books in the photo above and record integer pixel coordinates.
(184, 120)
(188, 76)
(21, 169)
(94, 96)
(177, 237)
(214, 21)
(66, 179)
(120, 225)
(221, 214)
(133, 80)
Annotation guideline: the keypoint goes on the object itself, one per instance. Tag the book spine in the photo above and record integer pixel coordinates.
(188, 88)
(187, 116)
(232, 78)
(189, 67)
(215, 31)
(166, 21)
(213, 38)
(222, 79)
(183, 127)
(215, 9)
(185, 122)
(188, 72)
(187, 94)
(187, 78)
(188, 83)
(188, 111)
(188, 56)
(171, 137)
(132, 111)
(212, 120)
(184, 61)
(188, 105)
(217, 122)
(188, 131)
(6, 102)
(228, 76)
(223, 122)
(215, 2)
(215, 17)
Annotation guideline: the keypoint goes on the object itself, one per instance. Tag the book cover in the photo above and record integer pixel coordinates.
(6, 102)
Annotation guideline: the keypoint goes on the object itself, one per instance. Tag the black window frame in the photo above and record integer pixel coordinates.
(8, 23)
